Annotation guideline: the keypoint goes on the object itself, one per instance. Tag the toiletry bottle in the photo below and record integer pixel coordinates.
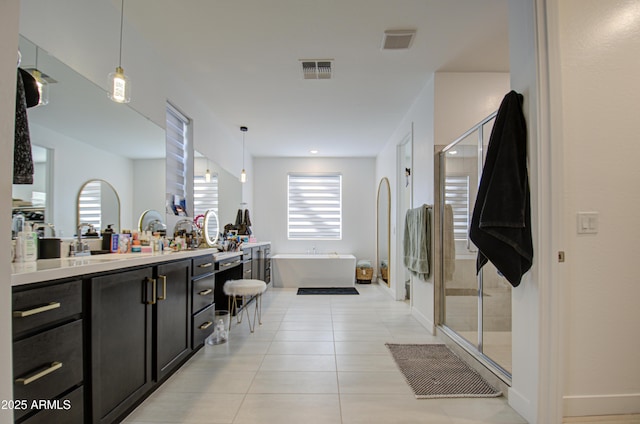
(29, 244)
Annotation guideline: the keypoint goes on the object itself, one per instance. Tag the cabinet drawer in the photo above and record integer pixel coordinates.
(68, 409)
(203, 289)
(47, 364)
(247, 253)
(37, 307)
(203, 265)
(228, 262)
(246, 270)
(203, 326)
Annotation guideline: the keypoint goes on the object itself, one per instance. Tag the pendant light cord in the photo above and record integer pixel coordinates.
(121, 24)
(243, 133)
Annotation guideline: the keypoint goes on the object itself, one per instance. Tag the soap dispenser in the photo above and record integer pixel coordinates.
(106, 237)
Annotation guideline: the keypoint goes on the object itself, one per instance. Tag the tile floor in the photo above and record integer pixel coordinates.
(315, 359)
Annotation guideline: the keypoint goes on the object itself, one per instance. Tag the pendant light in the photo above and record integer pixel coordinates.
(43, 85)
(243, 174)
(119, 83)
(207, 174)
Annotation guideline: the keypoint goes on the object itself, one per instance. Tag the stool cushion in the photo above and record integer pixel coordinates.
(246, 287)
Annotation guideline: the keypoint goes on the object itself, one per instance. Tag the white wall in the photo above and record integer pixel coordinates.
(269, 214)
(8, 42)
(599, 71)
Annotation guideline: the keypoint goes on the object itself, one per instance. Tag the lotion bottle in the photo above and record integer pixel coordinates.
(29, 244)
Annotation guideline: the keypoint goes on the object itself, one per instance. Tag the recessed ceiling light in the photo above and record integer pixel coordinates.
(313, 152)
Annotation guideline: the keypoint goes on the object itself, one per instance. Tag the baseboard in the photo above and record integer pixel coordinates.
(586, 405)
(425, 321)
(521, 405)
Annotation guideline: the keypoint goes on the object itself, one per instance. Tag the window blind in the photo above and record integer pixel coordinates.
(456, 192)
(205, 194)
(314, 206)
(176, 152)
(89, 204)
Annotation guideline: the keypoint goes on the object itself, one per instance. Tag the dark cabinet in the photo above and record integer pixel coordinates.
(172, 316)
(121, 341)
(47, 350)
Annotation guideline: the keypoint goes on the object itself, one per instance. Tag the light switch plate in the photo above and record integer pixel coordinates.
(587, 222)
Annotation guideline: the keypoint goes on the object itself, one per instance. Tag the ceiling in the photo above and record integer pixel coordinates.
(243, 57)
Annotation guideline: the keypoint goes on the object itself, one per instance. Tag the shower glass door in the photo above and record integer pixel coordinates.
(474, 307)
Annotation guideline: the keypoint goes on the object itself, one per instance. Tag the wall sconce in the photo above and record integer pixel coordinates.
(243, 174)
(119, 83)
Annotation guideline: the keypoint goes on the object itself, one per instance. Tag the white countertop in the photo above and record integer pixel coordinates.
(53, 269)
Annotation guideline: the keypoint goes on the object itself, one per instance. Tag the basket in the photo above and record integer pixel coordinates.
(385, 273)
(364, 274)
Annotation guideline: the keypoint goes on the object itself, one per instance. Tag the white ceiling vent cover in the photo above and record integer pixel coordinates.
(317, 69)
(398, 39)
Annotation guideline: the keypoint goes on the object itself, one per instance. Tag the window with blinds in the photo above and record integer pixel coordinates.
(456, 192)
(89, 204)
(314, 206)
(205, 194)
(176, 152)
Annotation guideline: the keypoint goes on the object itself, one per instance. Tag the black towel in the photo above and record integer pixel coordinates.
(22, 157)
(501, 220)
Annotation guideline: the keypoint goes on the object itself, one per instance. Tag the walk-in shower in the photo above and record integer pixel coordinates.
(474, 310)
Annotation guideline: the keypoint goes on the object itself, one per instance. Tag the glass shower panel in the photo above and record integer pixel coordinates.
(460, 172)
(496, 317)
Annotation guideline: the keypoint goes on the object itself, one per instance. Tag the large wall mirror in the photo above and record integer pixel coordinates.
(84, 136)
(383, 233)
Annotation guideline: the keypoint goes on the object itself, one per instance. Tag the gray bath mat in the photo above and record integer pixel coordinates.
(434, 371)
(327, 290)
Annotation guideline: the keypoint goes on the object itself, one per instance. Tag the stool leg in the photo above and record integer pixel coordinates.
(259, 307)
(229, 309)
(235, 308)
(246, 308)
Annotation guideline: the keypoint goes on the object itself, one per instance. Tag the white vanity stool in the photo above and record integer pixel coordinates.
(245, 288)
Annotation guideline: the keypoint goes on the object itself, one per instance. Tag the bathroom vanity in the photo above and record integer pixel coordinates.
(94, 336)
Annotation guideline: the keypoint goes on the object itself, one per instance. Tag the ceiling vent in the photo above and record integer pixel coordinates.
(398, 39)
(317, 69)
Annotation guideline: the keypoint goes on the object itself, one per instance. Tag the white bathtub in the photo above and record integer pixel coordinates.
(320, 270)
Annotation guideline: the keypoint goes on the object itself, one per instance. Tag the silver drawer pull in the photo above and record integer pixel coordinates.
(207, 265)
(230, 263)
(27, 380)
(45, 308)
(205, 292)
(205, 325)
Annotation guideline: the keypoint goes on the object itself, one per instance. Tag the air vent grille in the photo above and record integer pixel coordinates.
(398, 39)
(317, 69)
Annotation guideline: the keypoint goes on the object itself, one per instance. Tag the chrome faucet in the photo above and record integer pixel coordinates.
(81, 248)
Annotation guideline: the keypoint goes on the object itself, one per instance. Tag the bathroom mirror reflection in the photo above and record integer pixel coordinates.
(220, 191)
(98, 205)
(33, 200)
(91, 137)
(383, 236)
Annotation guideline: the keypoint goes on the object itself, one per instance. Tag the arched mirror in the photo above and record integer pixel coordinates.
(211, 227)
(152, 220)
(383, 234)
(99, 205)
